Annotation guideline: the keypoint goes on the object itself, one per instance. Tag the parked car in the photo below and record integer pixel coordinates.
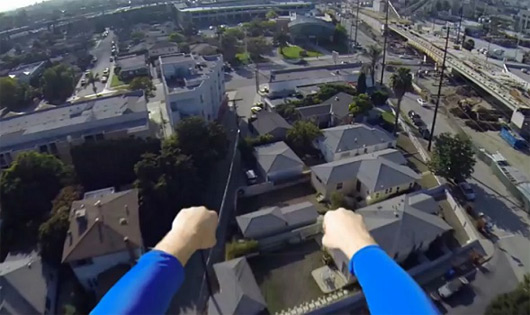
(449, 288)
(210, 28)
(466, 190)
(421, 101)
(106, 71)
(104, 79)
(255, 109)
(252, 178)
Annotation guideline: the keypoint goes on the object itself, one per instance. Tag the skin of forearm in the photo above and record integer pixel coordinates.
(176, 246)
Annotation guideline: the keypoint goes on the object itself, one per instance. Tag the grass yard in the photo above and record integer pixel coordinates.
(115, 81)
(293, 52)
(388, 117)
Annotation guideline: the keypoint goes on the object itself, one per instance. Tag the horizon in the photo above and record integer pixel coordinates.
(8, 5)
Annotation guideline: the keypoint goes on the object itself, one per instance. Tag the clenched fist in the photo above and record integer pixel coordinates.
(193, 229)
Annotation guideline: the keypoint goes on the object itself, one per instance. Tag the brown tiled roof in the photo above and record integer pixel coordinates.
(100, 226)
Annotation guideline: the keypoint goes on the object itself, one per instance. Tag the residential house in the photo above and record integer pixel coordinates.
(332, 112)
(367, 177)
(104, 232)
(56, 129)
(193, 86)
(270, 123)
(27, 286)
(351, 140)
(239, 293)
(162, 48)
(273, 220)
(277, 162)
(131, 66)
(25, 73)
(401, 225)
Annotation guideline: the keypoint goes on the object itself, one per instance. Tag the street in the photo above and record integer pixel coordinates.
(102, 51)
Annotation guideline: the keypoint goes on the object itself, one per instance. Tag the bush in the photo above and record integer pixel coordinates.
(240, 248)
(379, 97)
(337, 200)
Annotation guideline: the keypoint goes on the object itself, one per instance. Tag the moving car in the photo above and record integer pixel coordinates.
(255, 109)
(421, 101)
(106, 71)
(467, 191)
(449, 288)
(252, 178)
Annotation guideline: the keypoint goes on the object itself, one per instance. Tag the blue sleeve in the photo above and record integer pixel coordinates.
(388, 288)
(146, 289)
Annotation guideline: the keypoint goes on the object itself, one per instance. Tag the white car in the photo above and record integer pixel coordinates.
(104, 79)
(255, 109)
(467, 191)
(252, 178)
(421, 101)
(449, 288)
(210, 28)
(106, 71)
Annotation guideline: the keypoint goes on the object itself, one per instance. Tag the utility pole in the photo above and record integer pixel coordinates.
(350, 48)
(256, 73)
(384, 43)
(459, 24)
(357, 21)
(439, 90)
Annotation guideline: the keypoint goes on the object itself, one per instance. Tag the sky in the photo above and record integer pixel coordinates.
(7, 5)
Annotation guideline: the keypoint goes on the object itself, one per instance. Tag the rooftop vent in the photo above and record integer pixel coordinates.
(123, 221)
(336, 98)
(80, 214)
(98, 203)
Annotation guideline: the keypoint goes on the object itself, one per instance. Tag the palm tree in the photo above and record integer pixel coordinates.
(92, 79)
(281, 39)
(401, 82)
(373, 53)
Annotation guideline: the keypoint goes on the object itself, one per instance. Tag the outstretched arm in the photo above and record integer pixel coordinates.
(388, 288)
(150, 285)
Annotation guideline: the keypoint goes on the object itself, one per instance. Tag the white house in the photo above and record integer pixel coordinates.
(104, 232)
(193, 85)
(346, 141)
(277, 162)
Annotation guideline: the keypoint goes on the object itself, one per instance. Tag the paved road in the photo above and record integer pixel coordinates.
(102, 51)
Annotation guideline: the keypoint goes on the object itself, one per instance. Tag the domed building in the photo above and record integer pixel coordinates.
(305, 28)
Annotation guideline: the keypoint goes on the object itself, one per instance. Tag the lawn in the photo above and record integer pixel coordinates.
(293, 52)
(115, 81)
(388, 117)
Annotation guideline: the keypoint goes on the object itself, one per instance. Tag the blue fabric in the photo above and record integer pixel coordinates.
(388, 288)
(146, 289)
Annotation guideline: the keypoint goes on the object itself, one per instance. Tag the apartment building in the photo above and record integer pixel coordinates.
(56, 129)
(193, 85)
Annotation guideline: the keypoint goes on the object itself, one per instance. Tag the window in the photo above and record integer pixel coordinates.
(53, 148)
(339, 186)
(43, 149)
(89, 138)
(345, 154)
(376, 195)
(358, 188)
(390, 189)
(411, 184)
(365, 150)
(99, 137)
(202, 99)
(83, 262)
(397, 189)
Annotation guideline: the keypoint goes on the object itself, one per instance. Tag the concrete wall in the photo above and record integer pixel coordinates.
(463, 218)
(100, 264)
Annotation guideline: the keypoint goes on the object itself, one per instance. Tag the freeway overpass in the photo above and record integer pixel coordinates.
(489, 85)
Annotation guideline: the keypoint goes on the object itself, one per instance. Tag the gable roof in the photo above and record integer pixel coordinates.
(352, 137)
(273, 219)
(131, 62)
(402, 223)
(377, 173)
(340, 104)
(268, 122)
(239, 292)
(307, 112)
(276, 157)
(26, 279)
(104, 225)
(163, 44)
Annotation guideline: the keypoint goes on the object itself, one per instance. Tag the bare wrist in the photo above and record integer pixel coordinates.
(177, 246)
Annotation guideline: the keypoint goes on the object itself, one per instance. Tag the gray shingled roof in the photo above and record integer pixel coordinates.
(239, 292)
(314, 110)
(340, 104)
(351, 137)
(127, 63)
(274, 219)
(391, 155)
(377, 173)
(276, 157)
(267, 122)
(401, 223)
(25, 279)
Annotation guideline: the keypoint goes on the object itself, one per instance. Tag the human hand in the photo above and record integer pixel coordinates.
(192, 229)
(345, 230)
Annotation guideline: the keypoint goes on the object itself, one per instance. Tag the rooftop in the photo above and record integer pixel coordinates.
(516, 69)
(315, 73)
(100, 226)
(183, 72)
(246, 6)
(26, 70)
(352, 137)
(276, 156)
(132, 62)
(267, 122)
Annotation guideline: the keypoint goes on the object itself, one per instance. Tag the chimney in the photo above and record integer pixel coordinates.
(336, 98)
(130, 250)
(126, 210)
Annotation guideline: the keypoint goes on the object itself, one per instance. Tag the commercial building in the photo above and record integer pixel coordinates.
(523, 21)
(225, 13)
(24, 73)
(193, 85)
(56, 129)
(305, 28)
(104, 232)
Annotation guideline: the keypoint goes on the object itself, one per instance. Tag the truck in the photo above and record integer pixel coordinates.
(513, 139)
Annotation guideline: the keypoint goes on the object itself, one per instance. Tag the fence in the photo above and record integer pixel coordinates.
(462, 217)
(265, 187)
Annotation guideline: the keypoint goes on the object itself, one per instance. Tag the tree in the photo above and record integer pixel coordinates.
(143, 83)
(14, 95)
(361, 104)
(271, 14)
(468, 44)
(379, 97)
(361, 83)
(401, 82)
(373, 53)
(337, 200)
(340, 35)
(27, 189)
(229, 46)
(137, 37)
(514, 302)
(453, 157)
(257, 46)
(302, 135)
(91, 79)
(281, 39)
(52, 233)
(288, 111)
(107, 163)
(237, 32)
(177, 37)
(240, 248)
(58, 83)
